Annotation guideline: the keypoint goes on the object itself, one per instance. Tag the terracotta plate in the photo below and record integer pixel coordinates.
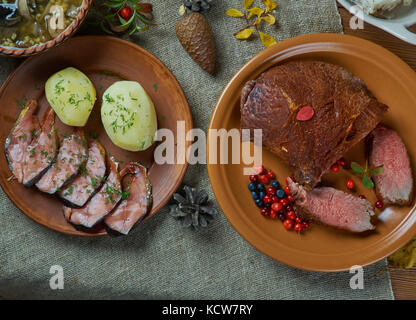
(104, 60)
(321, 248)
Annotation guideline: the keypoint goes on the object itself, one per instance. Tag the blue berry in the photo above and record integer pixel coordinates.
(276, 184)
(254, 195)
(260, 187)
(262, 194)
(259, 203)
(281, 193)
(252, 186)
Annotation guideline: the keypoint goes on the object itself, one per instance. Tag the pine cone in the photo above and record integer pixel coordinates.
(195, 35)
(193, 210)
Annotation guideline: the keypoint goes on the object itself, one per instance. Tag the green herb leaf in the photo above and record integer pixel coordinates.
(367, 182)
(357, 168)
(376, 171)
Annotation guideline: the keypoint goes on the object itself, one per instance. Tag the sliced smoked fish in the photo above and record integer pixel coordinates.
(89, 181)
(71, 157)
(42, 151)
(100, 205)
(20, 138)
(136, 203)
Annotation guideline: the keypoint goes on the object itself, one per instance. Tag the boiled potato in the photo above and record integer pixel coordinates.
(72, 96)
(129, 116)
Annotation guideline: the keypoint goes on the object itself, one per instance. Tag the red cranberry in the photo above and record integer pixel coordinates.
(288, 224)
(305, 225)
(275, 199)
(291, 215)
(277, 207)
(350, 184)
(281, 216)
(264, 212)
(271, 191)
(283, 202)
(335, 168)
(267, 199)
(298, 220)
(342, 162)
(273, 214)
(254, 177)
(270, 174)
(379, 204)
(287, 190)
(290, 198)
(298, 227)
(264, 179)
(361, 196)
(259, 170)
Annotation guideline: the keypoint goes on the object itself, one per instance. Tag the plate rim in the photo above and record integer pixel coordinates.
(214, 171)
(189, 120)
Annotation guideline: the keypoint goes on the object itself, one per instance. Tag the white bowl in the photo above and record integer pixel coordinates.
(397, 26)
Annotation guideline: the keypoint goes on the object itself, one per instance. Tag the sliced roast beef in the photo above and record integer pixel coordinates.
(395, 184)
(71, 157)
(42, 151)
(343, 112)
(100, 205)
(22, 134)
(85, 185)
(332, 207)
(137, 200)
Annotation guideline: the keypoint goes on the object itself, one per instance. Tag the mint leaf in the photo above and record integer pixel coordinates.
(357, 168)
(367, 182)
(376, 171)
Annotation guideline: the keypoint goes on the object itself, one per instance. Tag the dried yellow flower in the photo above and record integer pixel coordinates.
(256, 11)
(406, 256)
(270, 5)
(234, 13)
(267, 40)
(245, 34)
(270, 19)
(247, 4)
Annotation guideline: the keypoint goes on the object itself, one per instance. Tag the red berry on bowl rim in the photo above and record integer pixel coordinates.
(305, 113)
(298, 220)
(273, 214)
(270, 174)
(264, 212)
(288, 224)
(379, 204)
(350, 184)
(335, 168)
(305, 225)
(253, 178)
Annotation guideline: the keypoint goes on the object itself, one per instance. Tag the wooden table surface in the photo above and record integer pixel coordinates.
(403, 281)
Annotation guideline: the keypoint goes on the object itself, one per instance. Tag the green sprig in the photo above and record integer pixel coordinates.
(366, 173)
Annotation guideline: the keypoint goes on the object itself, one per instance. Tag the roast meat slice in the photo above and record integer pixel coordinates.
(90, 179)
(344, 113)
(395, 184)
(136, 203)
(42, 150)
(332, 207)
(22, 134)
(101, 204)
(71, 157)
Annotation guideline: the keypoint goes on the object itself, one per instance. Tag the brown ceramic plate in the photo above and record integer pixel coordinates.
(321, 248)
(104, 60)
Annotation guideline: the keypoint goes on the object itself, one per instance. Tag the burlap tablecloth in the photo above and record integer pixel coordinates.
(160, 259)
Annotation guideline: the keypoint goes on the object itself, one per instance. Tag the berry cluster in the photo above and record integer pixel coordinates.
(273, 200)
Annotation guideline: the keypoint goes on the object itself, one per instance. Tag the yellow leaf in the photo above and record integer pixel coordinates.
(267, 40)
(406, 256)
(256, 11)
(270, 19)
(245, 34)
(270, 5)
(248, 3)
(234, 13)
